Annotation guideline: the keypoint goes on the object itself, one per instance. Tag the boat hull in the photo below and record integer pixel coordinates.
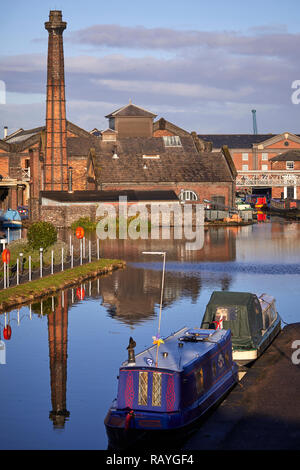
(12, 224)
(161, 427)
(245, 357)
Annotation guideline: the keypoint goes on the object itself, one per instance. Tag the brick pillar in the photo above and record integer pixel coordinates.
(56, 162)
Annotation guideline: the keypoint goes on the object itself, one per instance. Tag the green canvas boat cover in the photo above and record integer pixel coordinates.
(238, 311)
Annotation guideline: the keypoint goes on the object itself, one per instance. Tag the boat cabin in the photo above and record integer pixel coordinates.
(189, 362)
(246, 315)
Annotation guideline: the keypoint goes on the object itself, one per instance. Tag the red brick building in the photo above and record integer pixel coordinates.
(134, 153)
(264, 162)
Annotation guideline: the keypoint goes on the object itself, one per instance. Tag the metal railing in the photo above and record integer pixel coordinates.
(15, 274)
(270, 178)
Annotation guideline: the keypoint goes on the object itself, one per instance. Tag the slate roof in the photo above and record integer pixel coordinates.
(80, 146)
(234, 141)
(289, 156)
(109, 196)
(22, 135)
(131, 110)
(175, 164)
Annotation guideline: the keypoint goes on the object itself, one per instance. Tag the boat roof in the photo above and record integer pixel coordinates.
(179, 357)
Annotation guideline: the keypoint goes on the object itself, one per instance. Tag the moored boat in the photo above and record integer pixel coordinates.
(194, 372)
(254, 322)
(11, 219)
(168, 387)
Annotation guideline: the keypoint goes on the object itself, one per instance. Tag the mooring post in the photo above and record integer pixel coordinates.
(84, 247)
(72, 256)
(90, 251)
(41, 262)
(81, 252)
(4, 282)
(18, 274)
(29, 267)
(52, 259)
(98, 250)
(70, 244)
(7, 235)
(62, 259)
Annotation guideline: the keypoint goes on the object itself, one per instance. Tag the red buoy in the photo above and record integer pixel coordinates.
(7, 332)
(79, 233)
(6, 256)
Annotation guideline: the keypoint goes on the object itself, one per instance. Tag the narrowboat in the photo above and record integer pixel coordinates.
(159, 395)
(254, 322)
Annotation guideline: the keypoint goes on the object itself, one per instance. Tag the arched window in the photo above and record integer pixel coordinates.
(188, 195)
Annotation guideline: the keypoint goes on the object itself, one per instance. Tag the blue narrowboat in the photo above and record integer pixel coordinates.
(170, 385)
(11, 219)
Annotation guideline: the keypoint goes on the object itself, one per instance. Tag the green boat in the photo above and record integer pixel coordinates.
(254, 322)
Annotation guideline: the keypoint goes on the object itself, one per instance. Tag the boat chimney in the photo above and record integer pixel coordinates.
(130, 348)
(5, 132)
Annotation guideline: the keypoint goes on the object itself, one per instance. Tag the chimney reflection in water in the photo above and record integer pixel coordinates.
(58, 336)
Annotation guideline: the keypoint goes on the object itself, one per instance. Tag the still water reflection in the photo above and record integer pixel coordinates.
(63, 355)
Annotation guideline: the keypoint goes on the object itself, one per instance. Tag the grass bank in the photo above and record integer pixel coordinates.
(47, 285)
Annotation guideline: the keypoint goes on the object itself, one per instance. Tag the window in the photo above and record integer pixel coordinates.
(245, 167)
(156, 389)
(290, 192)
(188, 195)
(143, 388)
(218, 202)
(245, 156)
(226, 313)
(264, 156)
(151, 157)
(289, 165)
(264, 167)
(199, 380)
(172, 141)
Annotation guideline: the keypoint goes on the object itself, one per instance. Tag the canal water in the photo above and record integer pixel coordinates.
(61, 363)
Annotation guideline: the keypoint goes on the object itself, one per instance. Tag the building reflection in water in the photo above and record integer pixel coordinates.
(130, 295)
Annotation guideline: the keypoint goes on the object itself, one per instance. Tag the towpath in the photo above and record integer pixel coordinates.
(263, 411)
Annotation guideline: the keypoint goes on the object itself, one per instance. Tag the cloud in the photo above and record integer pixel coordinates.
(220, 75)
(176, 89)
(269, 40)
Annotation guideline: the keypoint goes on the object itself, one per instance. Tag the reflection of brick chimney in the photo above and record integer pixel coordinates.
(58, 339)
(55, 164)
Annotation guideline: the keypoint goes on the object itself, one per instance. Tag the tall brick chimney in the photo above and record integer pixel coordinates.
(56, 161)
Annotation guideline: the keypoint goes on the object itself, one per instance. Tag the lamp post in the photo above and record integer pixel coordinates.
(163, 253)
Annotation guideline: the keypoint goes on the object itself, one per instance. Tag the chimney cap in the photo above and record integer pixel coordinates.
(55, 21)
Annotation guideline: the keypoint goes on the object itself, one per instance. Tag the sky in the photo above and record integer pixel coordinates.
(203, 65)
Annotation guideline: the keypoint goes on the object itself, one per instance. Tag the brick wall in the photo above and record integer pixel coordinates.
(203, 190)
(78, 173)
(63, 216)
(4, 163)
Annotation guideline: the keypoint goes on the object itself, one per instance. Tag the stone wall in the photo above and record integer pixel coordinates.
(169, 214)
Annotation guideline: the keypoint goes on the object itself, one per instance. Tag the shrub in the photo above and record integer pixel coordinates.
(41, 235)
(85, 222)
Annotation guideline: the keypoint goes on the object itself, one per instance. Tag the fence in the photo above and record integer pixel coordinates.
(15, 274)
